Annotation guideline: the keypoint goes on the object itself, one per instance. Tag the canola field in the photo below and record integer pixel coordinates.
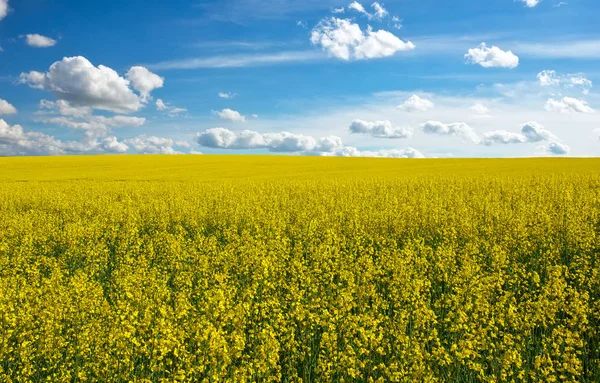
(290, 269)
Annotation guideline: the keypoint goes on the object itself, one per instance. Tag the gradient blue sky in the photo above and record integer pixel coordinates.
(416, 80)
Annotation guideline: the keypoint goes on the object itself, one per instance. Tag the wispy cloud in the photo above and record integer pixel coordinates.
(242, 60)
(245, 45)
(576, 49)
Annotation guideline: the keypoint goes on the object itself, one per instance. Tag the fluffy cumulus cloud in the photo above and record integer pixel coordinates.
(95, 126)
(531, 132)
(568, 105)
(491, 57)
(39, 41)
(64, 108)
(6, 107)
(275, 142)
(552, 78)
(503, 137)
(81, 118)
(345, 40)
(535, 132)
(285, 142)
(144, 81)
(459, 129)
(558, 149)
(15, 141)
(145, 144)
(230, 115)
(112, 145)
(78, 81)
(416, 104)
(379, 129)
(349, 151)
(3, 8)
(531, 3)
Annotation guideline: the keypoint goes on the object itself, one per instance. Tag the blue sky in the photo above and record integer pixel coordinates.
(402, 78)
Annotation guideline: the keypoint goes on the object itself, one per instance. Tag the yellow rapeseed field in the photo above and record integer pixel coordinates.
(299, 269)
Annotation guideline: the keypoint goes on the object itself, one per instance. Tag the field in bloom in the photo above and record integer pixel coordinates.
(289, 269)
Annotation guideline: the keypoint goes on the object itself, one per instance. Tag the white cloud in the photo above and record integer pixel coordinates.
(177, 111)
(380, 11)
(81, 118)
(531, 3)
(502, 137)
(416, 104)
(580, 81)
(535, 132)
(338, 10)
(144, 81)
(152, 145)
(112, 145)
(39, 41)
(459, 129)
(379, 129)
(548, 78)
(557, 148)
(64, 108)
(226, 95)
(345, 40)
(3, 8)
(480, 109)
(301, 24)
(226, 139)
(183, 144)
(230, 115)
(240, 61)
(358, 7)
(573, 49)
(530, 132)
(76, 80)
(552, 78)
(172, 111)
(568, 105)
(275, 142)
(285, 142)
(15, 141)
(493, 57)
(160, 105)
(6, 107)
(350, 151)
(92, 129)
